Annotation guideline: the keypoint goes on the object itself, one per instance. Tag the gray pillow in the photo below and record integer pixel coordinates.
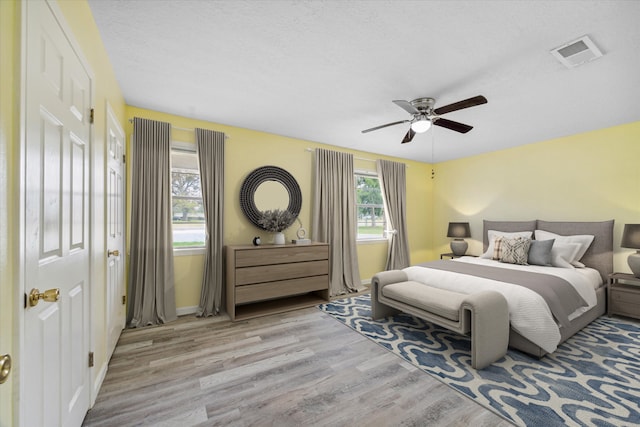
(540, 252)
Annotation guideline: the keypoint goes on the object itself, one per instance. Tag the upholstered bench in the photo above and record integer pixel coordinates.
(483, 315)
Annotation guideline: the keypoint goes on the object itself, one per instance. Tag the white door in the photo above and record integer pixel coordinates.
(116, 313)
(54, 372)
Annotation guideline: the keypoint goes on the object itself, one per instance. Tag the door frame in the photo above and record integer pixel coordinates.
(112, 120)
(19, 298)
(9, 75)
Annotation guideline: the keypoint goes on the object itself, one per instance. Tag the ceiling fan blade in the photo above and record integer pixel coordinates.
(450, 124)
(471, 102)
(409, 136)
(384, 126)
(406, 106)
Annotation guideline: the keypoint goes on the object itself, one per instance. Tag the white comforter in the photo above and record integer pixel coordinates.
(528, 312)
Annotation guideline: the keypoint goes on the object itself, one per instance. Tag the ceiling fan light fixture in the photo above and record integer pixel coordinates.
(423, 115)
(421, 126)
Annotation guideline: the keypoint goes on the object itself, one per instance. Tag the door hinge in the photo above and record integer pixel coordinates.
(26, 298)
(92, 113)
(124, 299)
(91, 359)
(124, 159)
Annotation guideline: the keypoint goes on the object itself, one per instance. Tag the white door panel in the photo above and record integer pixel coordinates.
(54, 370)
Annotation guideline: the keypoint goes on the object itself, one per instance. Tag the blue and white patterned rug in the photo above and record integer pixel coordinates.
(593, 379)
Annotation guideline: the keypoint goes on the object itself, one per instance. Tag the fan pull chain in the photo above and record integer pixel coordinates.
(433, 171)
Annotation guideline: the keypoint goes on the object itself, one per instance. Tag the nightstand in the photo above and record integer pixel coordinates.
(623, 295)
(451, 255)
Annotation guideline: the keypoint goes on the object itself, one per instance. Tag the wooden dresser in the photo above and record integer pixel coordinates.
(270, 279)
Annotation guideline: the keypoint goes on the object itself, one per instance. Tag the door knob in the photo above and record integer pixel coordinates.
(114, 253)
(5, 367)
(50, 295)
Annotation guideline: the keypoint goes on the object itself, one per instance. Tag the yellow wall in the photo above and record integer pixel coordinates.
(247, 150)
(9, 69)
(106, 90)
(592, 176)
(584, 177)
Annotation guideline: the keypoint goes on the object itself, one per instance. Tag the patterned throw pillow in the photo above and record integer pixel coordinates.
(497, 248)
(515, 251)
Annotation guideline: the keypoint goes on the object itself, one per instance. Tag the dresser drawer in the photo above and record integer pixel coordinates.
(626, 296)
(265, 291)
(625, 300)
(285, 255)
(274, 272)
(625, 309)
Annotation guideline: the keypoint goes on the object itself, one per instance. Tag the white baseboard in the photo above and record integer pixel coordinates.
(181, 311)
(366, 282)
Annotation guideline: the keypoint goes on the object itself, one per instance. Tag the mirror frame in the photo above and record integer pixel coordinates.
(264, 174)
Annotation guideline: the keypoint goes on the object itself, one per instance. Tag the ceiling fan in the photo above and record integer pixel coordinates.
(424, 115)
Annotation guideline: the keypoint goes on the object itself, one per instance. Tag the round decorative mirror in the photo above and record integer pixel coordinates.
(269, 188)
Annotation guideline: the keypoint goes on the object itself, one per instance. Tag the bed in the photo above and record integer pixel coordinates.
(538, 323)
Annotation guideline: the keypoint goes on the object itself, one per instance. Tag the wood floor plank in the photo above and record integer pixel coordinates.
(290, 369)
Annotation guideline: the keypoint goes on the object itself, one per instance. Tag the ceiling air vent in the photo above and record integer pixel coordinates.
(577, 52)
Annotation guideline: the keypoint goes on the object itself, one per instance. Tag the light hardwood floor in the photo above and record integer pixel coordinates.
(292, 369)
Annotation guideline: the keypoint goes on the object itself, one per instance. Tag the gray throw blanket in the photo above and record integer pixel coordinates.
(560, 295)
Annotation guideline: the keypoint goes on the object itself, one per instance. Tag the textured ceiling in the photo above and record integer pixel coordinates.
(325, 70)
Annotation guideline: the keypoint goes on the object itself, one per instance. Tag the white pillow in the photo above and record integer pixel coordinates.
(493, 234)
(583, 240)
(563, 253)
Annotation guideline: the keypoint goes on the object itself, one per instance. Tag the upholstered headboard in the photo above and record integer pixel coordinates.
(506, 226)
(598, 256)
(600, 253)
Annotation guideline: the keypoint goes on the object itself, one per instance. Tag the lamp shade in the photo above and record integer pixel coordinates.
(631, 236)
(459, 230)
(421, 125)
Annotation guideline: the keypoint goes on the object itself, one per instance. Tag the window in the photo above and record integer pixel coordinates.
(370, 209)
(186, 198)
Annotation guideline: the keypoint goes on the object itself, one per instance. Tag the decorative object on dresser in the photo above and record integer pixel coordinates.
(459, 230)
(631, 239)
(276, 221)
(270, 279)
(301, 241)
(302, 235)
(624, 295)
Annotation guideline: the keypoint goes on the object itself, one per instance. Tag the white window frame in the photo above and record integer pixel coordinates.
(186, 147)
(377, 239)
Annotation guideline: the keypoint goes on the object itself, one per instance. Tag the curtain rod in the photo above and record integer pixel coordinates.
(184, 129)
(311, 150)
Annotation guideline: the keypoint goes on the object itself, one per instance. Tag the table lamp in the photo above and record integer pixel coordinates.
(631, 239)
(459, 230)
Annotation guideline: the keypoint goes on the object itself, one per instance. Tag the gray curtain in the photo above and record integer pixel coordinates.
(393, 183)
(211, 157)
(334, 218)
(151, 280)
